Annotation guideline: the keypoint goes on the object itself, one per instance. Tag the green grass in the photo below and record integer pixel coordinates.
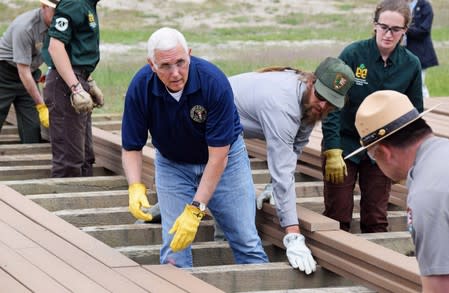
(262, 39)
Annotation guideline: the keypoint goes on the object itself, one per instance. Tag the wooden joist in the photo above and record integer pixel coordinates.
(349, 255)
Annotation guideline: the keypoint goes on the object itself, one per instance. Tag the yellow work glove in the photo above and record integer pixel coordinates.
(137, 200)
(335, 170)
(185, 227)
(96, 93)
(43, 115)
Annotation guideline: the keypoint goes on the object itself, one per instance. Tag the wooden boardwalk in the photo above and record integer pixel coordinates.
(76, 235)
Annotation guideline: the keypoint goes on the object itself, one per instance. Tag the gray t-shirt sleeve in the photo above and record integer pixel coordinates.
(22, 44)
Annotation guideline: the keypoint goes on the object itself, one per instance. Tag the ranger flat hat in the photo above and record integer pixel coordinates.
(381, 114)
(51, 3)
(334, 79)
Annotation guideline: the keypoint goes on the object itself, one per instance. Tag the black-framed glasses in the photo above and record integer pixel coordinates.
(393, 29)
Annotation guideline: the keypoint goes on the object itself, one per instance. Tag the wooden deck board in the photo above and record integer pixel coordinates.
(40, 252)
(28, 274)
(11, 285)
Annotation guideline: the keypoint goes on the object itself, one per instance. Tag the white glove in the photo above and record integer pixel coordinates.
(266, 195)
(298, 253)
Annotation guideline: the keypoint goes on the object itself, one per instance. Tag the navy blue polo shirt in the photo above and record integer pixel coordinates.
(181, 131)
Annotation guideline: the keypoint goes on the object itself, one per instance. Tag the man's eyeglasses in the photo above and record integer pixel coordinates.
(165, 67)
(393, 29)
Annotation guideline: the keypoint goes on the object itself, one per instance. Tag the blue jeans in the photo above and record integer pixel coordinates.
(232, 205)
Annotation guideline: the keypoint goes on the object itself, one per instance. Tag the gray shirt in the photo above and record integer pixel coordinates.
(269, 105)
(22, 41)
(428, 206)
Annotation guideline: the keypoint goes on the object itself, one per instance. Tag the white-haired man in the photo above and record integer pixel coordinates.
(20, 59)
(187, 105)
(404, 147)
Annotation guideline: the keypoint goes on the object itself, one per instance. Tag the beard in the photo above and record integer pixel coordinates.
(310, 114)
(313, 113)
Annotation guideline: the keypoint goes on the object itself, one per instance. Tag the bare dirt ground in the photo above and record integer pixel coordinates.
(260, 12)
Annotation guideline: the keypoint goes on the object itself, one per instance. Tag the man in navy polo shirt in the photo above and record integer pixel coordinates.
(187, 105)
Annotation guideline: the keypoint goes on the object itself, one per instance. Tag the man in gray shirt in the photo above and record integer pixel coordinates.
(404, 147)
(20, 59)
(281, 106)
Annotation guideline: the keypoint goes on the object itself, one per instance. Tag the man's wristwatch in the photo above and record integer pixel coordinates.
(201, 206)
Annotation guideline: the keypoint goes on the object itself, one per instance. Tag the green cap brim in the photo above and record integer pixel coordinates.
(331, 96)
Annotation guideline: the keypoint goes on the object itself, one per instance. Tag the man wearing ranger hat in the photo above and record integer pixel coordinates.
(20, 59)
(404, 147)
(281, 105)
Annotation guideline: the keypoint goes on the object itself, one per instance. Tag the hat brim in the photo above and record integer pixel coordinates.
(48, 3)
(362, 148)
(331, 96)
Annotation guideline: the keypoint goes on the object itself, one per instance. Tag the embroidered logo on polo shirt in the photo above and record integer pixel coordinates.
(198, 113)
(61, 24)
(361, 74)
(91, 19)
(361, 71)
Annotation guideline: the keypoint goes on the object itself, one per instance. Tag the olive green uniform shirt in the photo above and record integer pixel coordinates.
(75, 23)
(402, 73)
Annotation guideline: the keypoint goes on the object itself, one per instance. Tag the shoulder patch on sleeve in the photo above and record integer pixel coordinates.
(61, 24)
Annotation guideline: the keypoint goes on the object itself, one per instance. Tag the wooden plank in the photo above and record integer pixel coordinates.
(23, 160)
(15, 149)
(149, 280)
(68, 184)
(28, 274)
(53, 224)
(361, 259)
(76, 256)
(38, 171)
(9, 284)
(175, 276)
(48, 263)
(309, 220)
(113, 142)
(276, 276)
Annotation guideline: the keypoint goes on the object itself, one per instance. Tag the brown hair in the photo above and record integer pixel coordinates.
(408, 135)
(400, 6)
(302, 75)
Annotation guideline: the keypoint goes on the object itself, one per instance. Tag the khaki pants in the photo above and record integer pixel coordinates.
(70, 132)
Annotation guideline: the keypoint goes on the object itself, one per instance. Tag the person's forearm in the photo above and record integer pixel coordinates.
(61, 61)
(132, 165)
(29, 83)
(292, 229)
(218, 158)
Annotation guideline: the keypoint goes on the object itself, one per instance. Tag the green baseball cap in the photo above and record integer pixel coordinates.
(334, 79)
